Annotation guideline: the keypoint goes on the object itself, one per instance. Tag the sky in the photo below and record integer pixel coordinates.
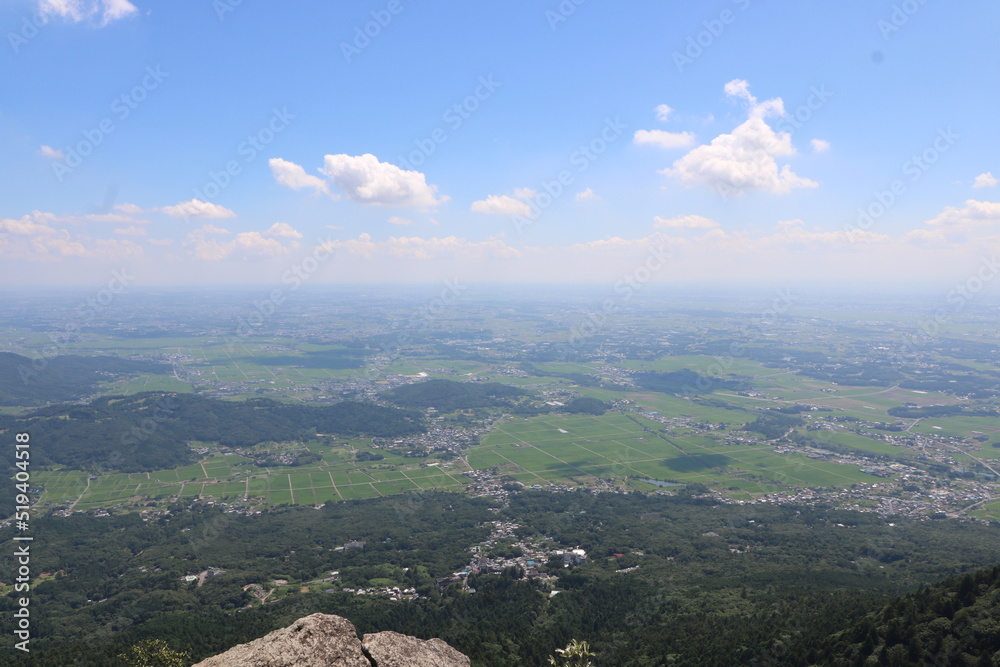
(730, 142)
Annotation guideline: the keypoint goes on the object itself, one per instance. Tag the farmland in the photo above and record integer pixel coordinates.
(833, 391)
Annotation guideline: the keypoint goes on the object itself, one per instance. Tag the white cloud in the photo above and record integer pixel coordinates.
(525, 193)
(117, 9)
(415, 247)
(662, 112)
(36, 223)
(820, 145)
(987, 180)
(741, 161)
(663, 139)
(245, 245)
(84, 10)
(973, 214)
(131, 230)
(396, 220)
(51, 153)
(586, 195)
(740, 89)
(284, 230)
(363, 179)
(295, 177)
(195, 208)
(793, 233)
(35, 237)
(685, 222)
(367, 181)
(501, 205)
(131, 209)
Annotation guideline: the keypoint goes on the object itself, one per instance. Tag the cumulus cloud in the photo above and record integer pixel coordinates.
(366, 180)
(37, 237)
(586, 195)
(102, 11)
(501, 205)
(973, 214)
(987, 180)
(741, 161)
(396, 220)
(36, 223)
(685, 222)
(662, 112)
(284, 230)
(663, 139)
(740, 89)
(363, 179)
(51, 153)
(295, 177)
(820, 145)
(745, 159)
(203, 244)
(195, 208)
(130, 209)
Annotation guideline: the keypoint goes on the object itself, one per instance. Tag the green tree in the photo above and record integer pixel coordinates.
(576, 654)
(154, 653)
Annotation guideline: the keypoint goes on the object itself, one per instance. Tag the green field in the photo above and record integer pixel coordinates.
(654, 437)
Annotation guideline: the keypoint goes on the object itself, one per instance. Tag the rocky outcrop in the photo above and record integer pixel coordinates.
(325, 640)
(391, 649)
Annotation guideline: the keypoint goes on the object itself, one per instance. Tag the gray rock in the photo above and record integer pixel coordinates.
(325, 640)
(319, 640)
(391, 649)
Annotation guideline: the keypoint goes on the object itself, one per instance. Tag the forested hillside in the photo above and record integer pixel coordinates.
(954, 623)
(150, 431)
(667, 581)
(24, 381)
(447, 395)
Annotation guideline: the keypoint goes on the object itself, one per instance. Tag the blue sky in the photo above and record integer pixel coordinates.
(227, 141)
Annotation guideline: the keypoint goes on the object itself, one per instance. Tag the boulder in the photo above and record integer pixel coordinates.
(391, 649)
(325, 640)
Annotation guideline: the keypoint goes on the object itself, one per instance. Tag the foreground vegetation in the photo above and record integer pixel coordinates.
(676, 580)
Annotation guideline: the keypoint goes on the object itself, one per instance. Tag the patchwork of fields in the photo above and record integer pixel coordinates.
(658, 441)
(232, 478)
